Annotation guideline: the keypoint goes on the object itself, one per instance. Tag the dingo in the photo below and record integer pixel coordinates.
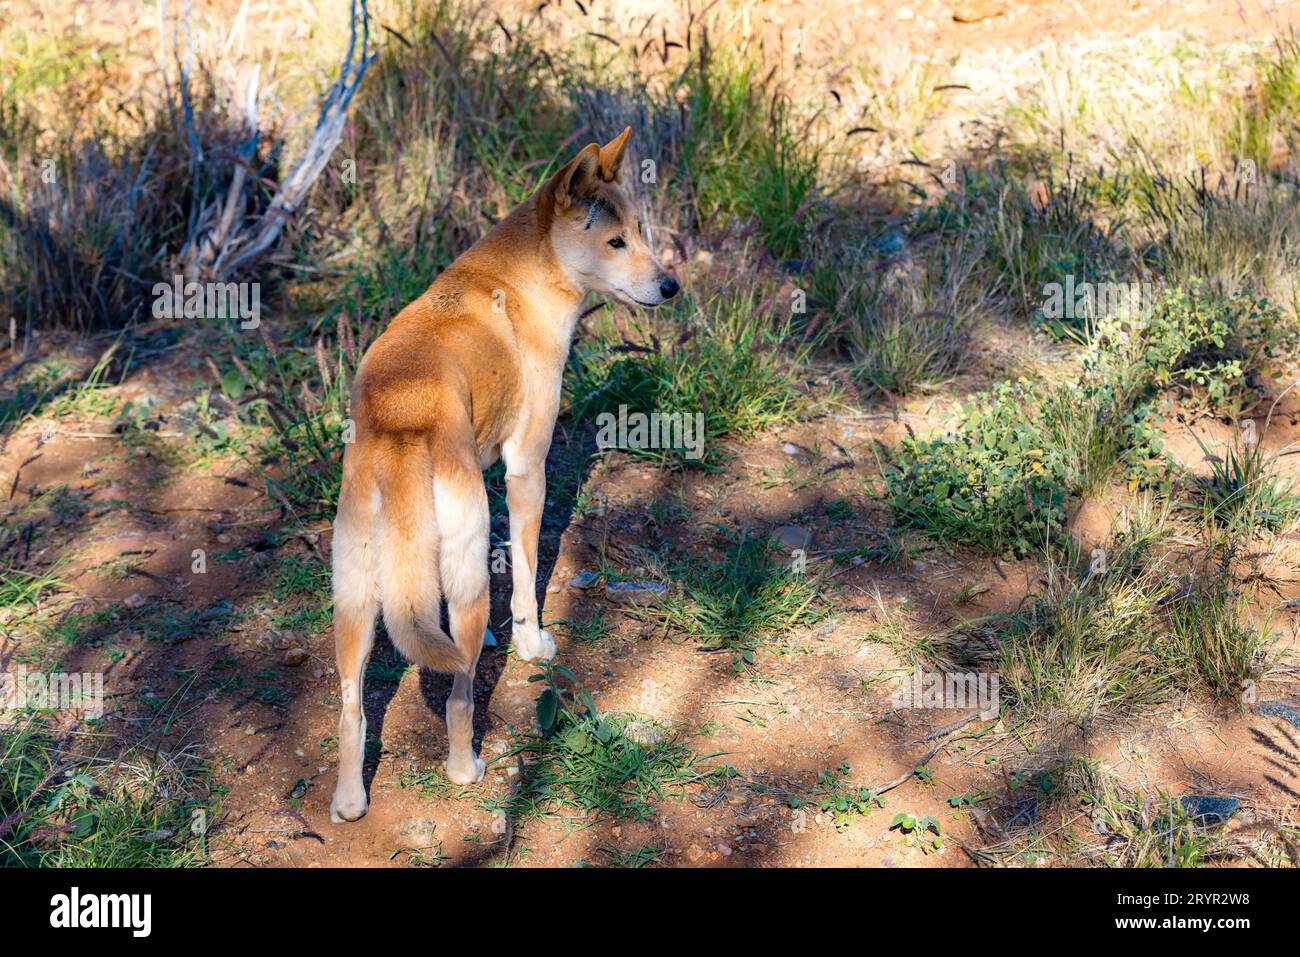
(468, 371)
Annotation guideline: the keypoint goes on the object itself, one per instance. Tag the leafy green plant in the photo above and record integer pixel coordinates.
(1207, 345)
(997, 481)
(842, 801)
(970, 799)
(920, 831)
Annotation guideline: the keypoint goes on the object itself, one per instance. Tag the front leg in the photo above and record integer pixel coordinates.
(526, 497)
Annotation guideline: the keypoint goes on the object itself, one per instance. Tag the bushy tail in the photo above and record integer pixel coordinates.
(407, 541)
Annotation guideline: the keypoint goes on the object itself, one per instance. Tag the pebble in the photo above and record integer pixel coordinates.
(295, 657)
(1209, 809)
(795, 451)
(584, 579)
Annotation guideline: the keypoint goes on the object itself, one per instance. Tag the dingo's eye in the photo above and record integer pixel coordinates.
(617, 243)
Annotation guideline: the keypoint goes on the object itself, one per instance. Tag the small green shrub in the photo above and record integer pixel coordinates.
(1207, 345)
(998, 481)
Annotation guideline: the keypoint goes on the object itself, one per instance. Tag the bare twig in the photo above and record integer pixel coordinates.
(942, 734)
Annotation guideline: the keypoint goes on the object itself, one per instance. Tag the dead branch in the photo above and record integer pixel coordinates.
(220, 243)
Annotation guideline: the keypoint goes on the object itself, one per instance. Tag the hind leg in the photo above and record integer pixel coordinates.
(356, 601)
(354, 636)
(462, 507)
(468, 623)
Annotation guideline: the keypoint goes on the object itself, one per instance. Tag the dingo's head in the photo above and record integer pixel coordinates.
(595, 231)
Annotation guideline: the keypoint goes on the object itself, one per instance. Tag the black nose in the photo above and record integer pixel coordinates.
(668, 287)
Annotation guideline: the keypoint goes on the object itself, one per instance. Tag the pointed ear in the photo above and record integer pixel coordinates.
(611, 157)
(579, 178)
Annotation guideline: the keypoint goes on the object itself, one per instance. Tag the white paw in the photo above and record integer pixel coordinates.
(347, 807)
(463, 773)
(539, 646)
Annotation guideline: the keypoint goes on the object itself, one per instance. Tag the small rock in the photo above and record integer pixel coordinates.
(584, 579)
(795, 451)
(640, 593)
(133, 601)
(1208, 809)
(793, 537)
(295, 657)
(724, 849)
(220, 610)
